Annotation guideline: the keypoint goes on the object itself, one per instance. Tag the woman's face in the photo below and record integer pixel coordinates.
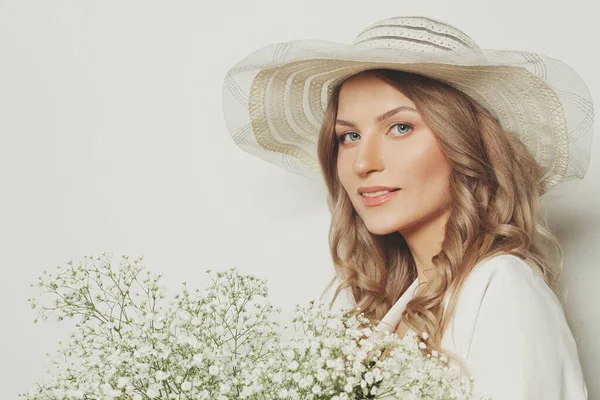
(384, 145)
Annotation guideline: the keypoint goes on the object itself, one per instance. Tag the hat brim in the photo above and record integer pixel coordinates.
(274, 100)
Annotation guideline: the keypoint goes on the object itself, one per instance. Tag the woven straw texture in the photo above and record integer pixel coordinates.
(274, 99)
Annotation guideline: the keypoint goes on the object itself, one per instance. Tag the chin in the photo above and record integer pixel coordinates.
(378, 228)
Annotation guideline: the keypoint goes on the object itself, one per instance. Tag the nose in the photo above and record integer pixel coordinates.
(368, 156)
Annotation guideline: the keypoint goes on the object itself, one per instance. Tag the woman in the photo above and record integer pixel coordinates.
(435, 154)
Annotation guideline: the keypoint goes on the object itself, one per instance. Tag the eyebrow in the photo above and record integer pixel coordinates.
(382, 117)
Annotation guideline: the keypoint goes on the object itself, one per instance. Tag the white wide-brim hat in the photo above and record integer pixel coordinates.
(274, 99)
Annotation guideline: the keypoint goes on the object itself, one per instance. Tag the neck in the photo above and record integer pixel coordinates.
(425, 241)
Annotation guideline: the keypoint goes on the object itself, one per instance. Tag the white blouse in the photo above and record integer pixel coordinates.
(511, 332)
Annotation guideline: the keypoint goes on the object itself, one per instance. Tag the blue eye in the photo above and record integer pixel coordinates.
(408, 127)
(340, 138)
(401, 132)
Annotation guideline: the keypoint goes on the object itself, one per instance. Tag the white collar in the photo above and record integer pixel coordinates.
(391, 320)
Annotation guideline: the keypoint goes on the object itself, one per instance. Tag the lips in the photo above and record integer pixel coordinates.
(380, 199)
(370, 189)
(383, 190)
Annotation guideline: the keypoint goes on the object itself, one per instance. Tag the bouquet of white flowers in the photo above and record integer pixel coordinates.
(221, 344)
(331, 357)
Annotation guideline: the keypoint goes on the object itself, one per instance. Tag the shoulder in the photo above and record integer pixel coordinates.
(502, 291)
(502, 269)
(501, 275)
(509, 326)
(509, 277)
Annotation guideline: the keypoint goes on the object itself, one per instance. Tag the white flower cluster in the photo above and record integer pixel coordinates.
(128, 346)
(222, 344)
(331, 357)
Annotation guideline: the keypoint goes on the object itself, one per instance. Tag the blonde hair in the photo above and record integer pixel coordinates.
(495, 208)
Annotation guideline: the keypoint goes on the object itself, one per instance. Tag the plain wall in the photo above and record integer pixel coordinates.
(113, 140)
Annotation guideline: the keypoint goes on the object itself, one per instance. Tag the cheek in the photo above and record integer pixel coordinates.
(427, 172)
(341, 171)
(344, 174)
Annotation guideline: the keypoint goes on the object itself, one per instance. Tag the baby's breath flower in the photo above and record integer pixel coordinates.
(126, 332)
(221, 343)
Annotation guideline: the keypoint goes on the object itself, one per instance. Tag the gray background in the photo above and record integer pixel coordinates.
(113, 139)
